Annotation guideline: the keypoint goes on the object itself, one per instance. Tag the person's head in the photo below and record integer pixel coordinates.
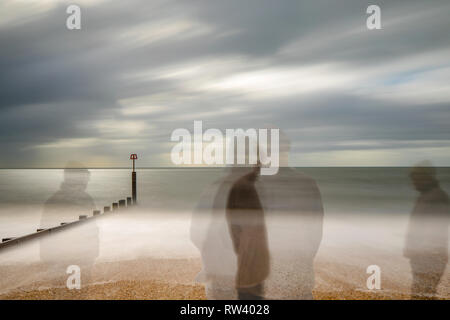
(423, 176)
(76, 175)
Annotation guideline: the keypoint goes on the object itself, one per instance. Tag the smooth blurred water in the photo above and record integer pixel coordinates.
(360, 191)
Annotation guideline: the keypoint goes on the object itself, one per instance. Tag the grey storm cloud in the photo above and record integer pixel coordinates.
(139, 69)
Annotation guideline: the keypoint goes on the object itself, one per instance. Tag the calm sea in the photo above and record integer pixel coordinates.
(360, 192)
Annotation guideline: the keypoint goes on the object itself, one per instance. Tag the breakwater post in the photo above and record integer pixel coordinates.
(133, 178)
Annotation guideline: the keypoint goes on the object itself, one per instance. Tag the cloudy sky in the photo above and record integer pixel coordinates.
(137, 70)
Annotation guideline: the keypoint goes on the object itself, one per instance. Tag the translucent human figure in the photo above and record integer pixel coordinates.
(212, 235)
(78, 245)
(294, 217)
(426, 244)
(248, 232)
(292, 212)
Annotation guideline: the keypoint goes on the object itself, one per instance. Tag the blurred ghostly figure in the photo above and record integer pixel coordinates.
(213, 232)
(210, 233)
(427, 237)
(294, 217)
(262, 243)
(248, 232)
(78, 245)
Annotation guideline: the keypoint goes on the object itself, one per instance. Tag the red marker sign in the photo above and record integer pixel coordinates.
(133, 157)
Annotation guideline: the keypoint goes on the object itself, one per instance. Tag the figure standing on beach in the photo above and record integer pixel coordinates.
(247, 228)
(210, 233)
(77, 245)
(285, 230)
(294, 218)
(427, 237)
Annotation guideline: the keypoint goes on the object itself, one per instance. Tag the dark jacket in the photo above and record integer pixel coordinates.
(247, 227)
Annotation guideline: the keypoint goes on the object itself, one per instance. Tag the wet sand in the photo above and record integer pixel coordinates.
(173, 279)
(154, 290)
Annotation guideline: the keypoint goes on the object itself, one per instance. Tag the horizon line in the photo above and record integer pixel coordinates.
(187, 167)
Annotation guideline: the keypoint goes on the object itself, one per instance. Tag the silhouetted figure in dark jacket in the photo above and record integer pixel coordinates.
(247, 228)
(427, 237)
(210, 234)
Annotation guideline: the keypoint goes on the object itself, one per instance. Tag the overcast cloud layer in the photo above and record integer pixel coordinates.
(344, 95)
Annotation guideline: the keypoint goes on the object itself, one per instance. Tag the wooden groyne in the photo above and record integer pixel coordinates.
(8, 242)
(118, 206)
